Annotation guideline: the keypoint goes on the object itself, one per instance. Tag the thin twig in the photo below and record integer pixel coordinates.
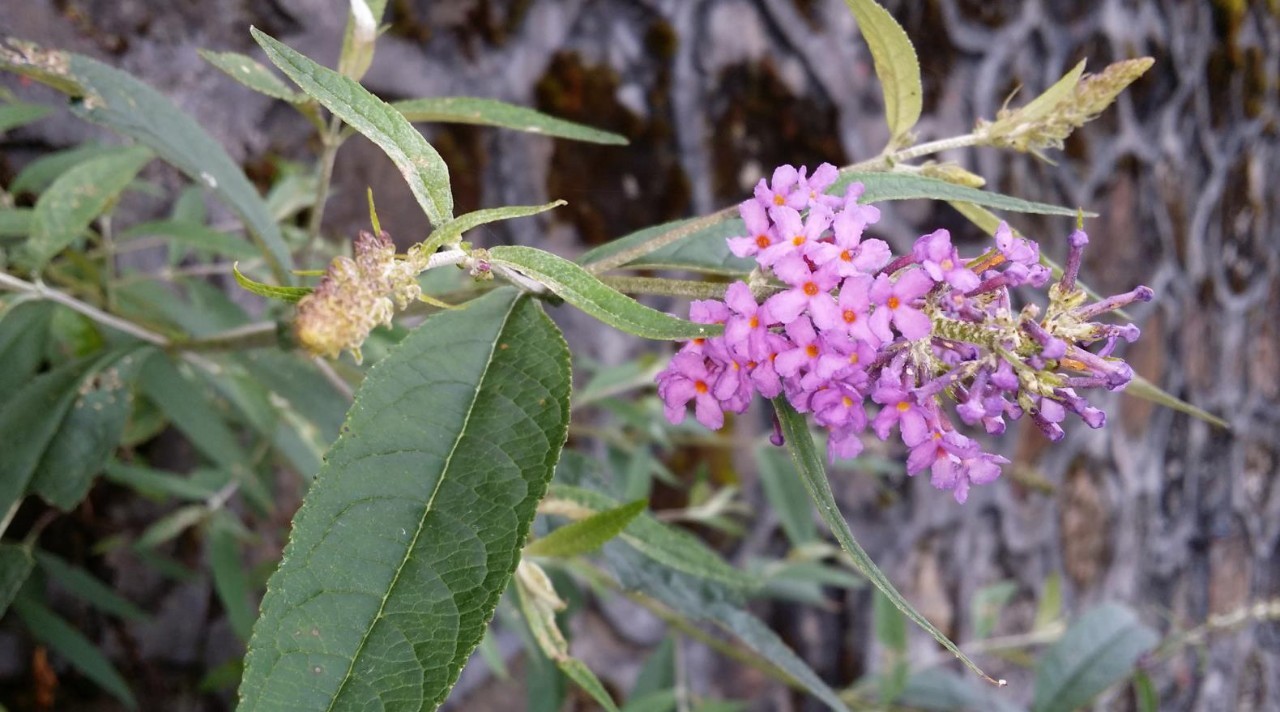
(42, 291)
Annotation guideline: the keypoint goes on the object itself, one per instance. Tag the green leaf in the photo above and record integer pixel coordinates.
(705, 249)
(28, 422)
(431, 490)
(193, 235)
(587, 535)
(578, 287)
(172, 525)
(422, 167)
(285, 294)
(1040, 107)
(15, 222)
(658, 701)
(452, 231)
(1145, 694)
(38, 175)
(1049, 607)
(587, 680)
(658, 673)
(15, 566)
(987, 604)
(1097, 651)
(229, 577)
(89, 433)
(941, 690)
(249, 72)
(814, 475)
(185, 402)
(896, 67)
(82, 585)
(1140, 387)
(78, 196)
(24, 330)
(891, 631)
(118, 101)
(356, 56)
(51, 630)
(670, 546)
(489, 112)
(701, 600)
(783, 489)
(158, 483)
(20, 113)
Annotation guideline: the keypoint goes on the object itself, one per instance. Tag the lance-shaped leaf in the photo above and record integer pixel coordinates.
(410, 533)
(451, 232)
(15, 566)
(249, 72)
(896, 66)
(587, 535)
(51, 630)
(421, 166)
(24, 329)
(491, 112)
(78, 196)
(814, 476)
(19, 113)
(581, 289)
(703, 249)
(191, 235)
(1097, 651)
(270, 291)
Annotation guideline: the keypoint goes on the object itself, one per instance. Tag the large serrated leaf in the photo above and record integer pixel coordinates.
(896, 66)
(813, 473)
(705, 249)
(421, 166)
(1098, 650)
(249, 72)
(581, 289)
(78, 196)
(412, 530)
(491, 112)
(118, 101)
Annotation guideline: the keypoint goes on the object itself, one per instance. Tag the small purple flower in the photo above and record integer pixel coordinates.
(810, 290)
(814, 186)
(808, 353)
(760, 231)
(783, 189)
(894, 300)
(747, 327)
(688, 378)
(936, 255)
(794, 233)
(899, 408)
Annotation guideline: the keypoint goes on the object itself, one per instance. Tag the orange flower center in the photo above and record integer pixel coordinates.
(700, 386)
(853, 357)
(762, 241)
(811, 289)
(846, 256)
(779, 200)
(850, 316)
(893, 303)
(904, 407)
(812, 350)
(754, 321)
(947, 264)
(798, 240)
(847, 401)
(699, 341)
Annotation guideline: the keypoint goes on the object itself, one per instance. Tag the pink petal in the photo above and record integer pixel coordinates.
(911, 322)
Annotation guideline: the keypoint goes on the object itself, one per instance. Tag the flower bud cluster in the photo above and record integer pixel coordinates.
(355, 295)
(859, 338)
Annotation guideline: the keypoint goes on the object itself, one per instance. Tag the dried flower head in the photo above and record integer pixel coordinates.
(355, 295)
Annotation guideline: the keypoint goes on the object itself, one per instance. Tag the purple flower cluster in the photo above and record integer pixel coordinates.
(859, 338)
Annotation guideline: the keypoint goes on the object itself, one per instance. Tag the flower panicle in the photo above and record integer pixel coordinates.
(355, 295)
(862, 339)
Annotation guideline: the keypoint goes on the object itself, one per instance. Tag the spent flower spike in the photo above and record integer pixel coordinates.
(866, 340)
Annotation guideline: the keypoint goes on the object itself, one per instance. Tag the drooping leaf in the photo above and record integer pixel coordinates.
(587, 680)
(185, 402)
(170, 526)
(285, 294)
(896, 67)
(705, 249)
(786, 495)
(813, 474)
(38, 175)
(422, 167)
(118, 101)
(490, 112)
(84, 586)
(658, 672)
(15, 566)
(24, 330)
(88, 434)
(1097, 651)
(19, 113)
(700, 600)
(78, 196)
(157, 483)
(1140, 387)
(28, 422)
(192, 235)
(587, 535)
(230, 579)
(578, 287)
(431, 490)
(249, 72)
(50, 629)
(670, 546)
